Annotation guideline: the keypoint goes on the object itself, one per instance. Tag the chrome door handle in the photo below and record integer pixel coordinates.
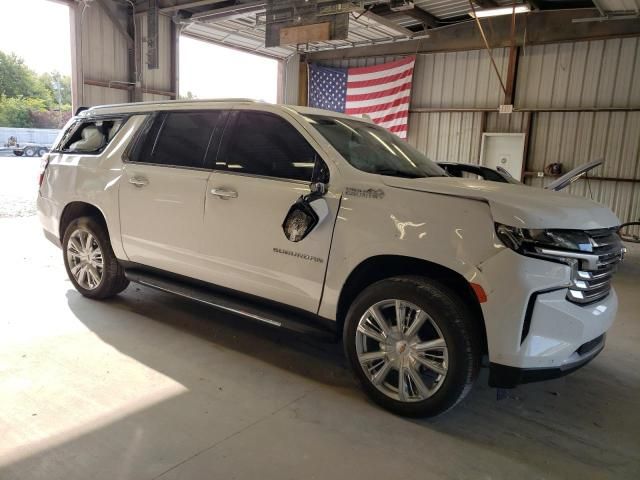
(139, 181)
(224, 194)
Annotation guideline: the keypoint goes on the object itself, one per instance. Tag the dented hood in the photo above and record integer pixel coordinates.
(518, 205)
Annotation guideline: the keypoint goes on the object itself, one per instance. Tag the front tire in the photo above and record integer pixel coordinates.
(89, 260)
(412, 345)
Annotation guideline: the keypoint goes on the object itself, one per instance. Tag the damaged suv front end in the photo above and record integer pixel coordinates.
(571, 303)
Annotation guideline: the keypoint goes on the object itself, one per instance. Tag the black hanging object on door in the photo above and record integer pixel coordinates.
(300, 220)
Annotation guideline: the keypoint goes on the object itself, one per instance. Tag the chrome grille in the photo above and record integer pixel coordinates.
(591, 280)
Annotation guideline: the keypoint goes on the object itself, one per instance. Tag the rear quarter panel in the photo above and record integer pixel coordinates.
(93, 179)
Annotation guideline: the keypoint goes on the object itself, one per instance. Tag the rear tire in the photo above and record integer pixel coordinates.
(435, 344)
(89, 260)
(29, 152)
(42, 151)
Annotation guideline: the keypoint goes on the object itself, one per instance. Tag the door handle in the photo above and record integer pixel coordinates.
(223, 193)
(139, 181)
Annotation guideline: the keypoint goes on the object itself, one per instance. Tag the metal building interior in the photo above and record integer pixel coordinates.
(569, 68)
(285, 407)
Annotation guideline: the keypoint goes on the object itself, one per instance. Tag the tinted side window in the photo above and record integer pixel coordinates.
(264, 144)
(146, 140)
(177, 139)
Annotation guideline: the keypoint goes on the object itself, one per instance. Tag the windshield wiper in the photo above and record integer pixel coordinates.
(397, 173)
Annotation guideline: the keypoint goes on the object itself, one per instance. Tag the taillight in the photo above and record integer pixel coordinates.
(44, 163)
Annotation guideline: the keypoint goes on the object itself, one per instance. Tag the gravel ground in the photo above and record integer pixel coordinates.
(18, 186)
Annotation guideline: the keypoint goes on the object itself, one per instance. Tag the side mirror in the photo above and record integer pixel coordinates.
(306, 214)
(318, 189)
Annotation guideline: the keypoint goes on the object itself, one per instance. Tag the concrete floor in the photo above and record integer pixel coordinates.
(150, 386)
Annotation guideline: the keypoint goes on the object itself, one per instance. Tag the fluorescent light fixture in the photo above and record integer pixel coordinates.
(494, 12)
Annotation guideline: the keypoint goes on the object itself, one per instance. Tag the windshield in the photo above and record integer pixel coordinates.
(373, 149)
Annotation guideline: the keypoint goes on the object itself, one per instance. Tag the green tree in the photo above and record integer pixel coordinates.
(16, 79)
(17, 111)
(31, 100)
(59, 87)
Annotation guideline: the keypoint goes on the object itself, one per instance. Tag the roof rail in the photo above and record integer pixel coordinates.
(164, 102)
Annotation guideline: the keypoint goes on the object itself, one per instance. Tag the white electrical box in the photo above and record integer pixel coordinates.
(504, 150)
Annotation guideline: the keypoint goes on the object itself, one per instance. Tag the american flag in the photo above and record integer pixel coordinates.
(382, 92)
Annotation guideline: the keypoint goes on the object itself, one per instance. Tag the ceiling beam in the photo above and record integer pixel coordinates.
(204, 38)
(226, 13)
(486, 3)
(424, 17)
(541, 27)
(388, 23)
(68, 3)
(186, 5)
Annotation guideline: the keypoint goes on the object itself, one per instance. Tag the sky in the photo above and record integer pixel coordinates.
(43, 40)
(211, 71)
(207, 70)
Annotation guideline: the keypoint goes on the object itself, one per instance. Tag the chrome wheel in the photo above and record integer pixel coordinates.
(401, 350)
(84, 257)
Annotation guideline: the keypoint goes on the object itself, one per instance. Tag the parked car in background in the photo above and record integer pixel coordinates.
(30, 150)
(323, 223)
(470, 170)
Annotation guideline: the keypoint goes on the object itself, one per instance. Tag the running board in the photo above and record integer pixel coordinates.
(274, 316)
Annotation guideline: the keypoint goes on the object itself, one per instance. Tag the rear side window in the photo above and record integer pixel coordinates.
(263, 144)
(89, 136)
(177, 139)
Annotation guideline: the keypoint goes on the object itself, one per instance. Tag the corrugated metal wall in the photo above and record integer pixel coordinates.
(159, 78)
(103, 50)
(447, 136)
(573, 138)
(599, 74)
(602, 74)
(448, 80)
(458, 79)
(101, 55)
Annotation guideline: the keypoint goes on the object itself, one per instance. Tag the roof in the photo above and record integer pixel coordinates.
(247, 32)
(242, 24)
(216, 103)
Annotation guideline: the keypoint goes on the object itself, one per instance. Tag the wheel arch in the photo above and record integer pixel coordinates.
(78, 209)
(379, 267)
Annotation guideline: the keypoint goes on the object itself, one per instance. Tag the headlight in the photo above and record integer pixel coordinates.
(555, 245)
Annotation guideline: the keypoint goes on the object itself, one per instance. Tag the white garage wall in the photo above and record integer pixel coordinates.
(159, 78)
(602, 74)
(448, 80)
(573, 138)
(458, 79)
(447, 136)
(599, 73)
(101, 55)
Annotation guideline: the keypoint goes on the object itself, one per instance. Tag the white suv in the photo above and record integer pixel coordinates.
(324, 223)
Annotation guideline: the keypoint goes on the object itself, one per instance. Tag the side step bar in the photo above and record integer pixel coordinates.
(300, 322)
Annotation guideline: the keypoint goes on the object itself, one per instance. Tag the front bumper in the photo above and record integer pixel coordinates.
(504, 376)
(533, 331)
